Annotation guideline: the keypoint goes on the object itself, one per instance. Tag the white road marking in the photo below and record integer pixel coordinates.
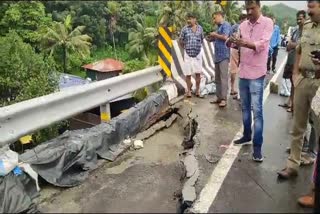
(211, 189)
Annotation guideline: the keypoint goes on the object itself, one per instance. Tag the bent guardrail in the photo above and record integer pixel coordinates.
(28, 116)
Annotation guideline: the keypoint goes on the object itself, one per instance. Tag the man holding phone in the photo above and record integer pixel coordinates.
(222, 57)
(255, 35)
(306, 80)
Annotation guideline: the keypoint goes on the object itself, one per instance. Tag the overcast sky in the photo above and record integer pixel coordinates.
(299, 5)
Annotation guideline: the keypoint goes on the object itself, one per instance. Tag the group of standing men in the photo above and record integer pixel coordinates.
(249, 43)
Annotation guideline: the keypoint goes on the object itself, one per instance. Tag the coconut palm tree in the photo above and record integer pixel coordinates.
(113, 9)
(174, 13)
(61, 36)
(142, 39)
(232, 11)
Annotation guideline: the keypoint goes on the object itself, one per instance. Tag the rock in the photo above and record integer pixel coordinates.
(127, 142)
(191, 165)
(138, 144)
(189, 194)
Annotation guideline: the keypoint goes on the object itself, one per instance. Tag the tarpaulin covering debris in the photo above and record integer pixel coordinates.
(18, 184)
(17, 193)
(66, 160)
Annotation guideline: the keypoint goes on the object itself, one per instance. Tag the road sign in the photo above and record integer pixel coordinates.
(165, 46)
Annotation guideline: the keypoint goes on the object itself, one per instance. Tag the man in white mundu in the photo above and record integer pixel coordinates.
(191, 39)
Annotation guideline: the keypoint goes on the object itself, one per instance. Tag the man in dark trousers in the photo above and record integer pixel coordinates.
(274, 43)
(222, 57)
(306, 79)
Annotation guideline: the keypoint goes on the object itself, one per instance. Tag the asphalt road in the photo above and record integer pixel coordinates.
(148, 180)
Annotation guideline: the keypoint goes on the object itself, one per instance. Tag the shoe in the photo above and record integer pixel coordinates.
(257, 156)
(243, 141)
(307, 201)
(288, 173)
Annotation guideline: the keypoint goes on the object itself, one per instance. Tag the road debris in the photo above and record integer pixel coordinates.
(190, 162)
(138, 144)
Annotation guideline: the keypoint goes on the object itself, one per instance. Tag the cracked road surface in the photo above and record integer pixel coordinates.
(148, 180)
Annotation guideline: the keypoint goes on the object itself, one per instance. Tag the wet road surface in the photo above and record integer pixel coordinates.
(148, 180)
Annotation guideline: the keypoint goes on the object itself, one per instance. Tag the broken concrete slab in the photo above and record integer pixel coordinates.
(151, 131)
(191, 165)
(171, 120)
(156, 127)
(190, 162)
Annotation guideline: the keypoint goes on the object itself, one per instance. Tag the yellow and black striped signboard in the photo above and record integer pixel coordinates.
(165, 46)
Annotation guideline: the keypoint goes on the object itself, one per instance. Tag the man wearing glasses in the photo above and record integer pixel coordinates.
(255, 35)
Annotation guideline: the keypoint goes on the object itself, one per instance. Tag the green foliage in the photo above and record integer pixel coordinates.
(28, 19)
(50, 132)
(24, 73)
(134, 65)
(173, 13)
(140, 94)
(61, 36)
(266, 11)
(285, 16)
(91, 14)
(232, 12)
(142, 40)
(108, 52)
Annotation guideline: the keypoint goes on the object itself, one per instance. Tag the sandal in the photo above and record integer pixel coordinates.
(199, 96)
(188, 95)
(233, 93)
(306, 161)
(289, 110)
(222, 104)
(217, 101)
(284, 105)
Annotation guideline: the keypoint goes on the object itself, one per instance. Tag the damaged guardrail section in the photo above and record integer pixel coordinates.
(40, 112)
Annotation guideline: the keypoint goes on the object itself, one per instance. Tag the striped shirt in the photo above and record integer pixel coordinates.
(192, 40)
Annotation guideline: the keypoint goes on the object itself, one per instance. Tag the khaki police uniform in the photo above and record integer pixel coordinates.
(306, 87)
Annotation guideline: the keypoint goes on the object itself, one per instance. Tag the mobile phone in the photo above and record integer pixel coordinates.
(316, 54)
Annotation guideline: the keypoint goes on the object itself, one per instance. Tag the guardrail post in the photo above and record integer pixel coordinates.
(105, 113)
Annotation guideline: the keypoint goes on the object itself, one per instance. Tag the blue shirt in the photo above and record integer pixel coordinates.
(234, 29)
(192, 40)
(222, 52)
(275, 38)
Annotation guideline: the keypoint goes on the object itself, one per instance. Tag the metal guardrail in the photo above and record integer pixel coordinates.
(28, 116)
